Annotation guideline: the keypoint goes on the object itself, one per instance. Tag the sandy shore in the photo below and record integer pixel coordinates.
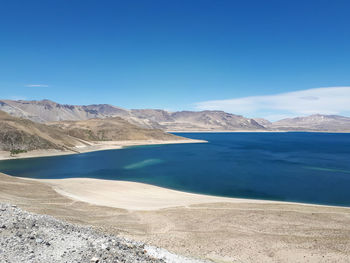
(138, 196)
(132, 195)
(222, 131)
(253, 131)
(92, 147)
(214, 228)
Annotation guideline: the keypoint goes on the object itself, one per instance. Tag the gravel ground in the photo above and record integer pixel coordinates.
(28, 237)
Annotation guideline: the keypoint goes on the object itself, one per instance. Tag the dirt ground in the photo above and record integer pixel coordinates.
(221, 232)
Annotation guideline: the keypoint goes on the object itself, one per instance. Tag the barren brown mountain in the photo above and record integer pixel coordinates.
(111, 129)
(25, 135)
(316, 122)
(49, 111)
(18, 134)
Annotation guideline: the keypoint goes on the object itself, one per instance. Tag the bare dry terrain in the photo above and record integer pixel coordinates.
(20, 138)
(25, 135)
(49, 111)
(220, 231)
(111, 129)
(181, 121)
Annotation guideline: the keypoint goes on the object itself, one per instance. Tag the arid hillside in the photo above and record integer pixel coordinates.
(48, 111)
(18, 134)
(25, 135)
(45, 111)
(110, 129)
(316, 122)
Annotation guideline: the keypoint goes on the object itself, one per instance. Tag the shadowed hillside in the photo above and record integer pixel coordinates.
(22, 134)
(110, 129)
(18, 134)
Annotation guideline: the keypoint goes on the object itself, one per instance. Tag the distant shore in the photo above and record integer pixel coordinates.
(93, 147)
(218, 131)
(247, 131)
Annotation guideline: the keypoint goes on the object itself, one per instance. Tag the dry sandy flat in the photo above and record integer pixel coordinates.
(222, 232)
(92, 147)
(131, 195)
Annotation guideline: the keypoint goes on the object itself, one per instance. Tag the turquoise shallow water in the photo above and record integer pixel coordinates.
(301, 167)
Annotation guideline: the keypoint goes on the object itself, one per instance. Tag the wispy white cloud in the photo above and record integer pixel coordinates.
(37, 86)
(17, 98)
(330, 100)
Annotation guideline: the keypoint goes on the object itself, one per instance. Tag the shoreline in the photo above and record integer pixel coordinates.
(222, 232)
(254, 131)
(93, 147)
(184, 198)
(218, 229)
(142, 196)
(114, 145)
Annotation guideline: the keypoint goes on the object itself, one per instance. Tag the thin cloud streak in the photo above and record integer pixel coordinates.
(330, 100)
(37, 86)
(18, 98)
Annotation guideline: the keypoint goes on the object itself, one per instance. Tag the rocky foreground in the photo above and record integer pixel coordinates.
(28, 237)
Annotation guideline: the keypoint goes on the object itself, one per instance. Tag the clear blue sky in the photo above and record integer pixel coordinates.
(170, 54)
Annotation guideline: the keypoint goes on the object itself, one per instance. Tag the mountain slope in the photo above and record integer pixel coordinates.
(210, 121)
(48, 111)
(263, 122)
(22, 134)
(111, 129)
(316, 122)
(18, 134)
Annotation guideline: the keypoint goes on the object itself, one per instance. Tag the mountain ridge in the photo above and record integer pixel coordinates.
(44, 111)
(49, 111)
(314, 122)
(22, 135)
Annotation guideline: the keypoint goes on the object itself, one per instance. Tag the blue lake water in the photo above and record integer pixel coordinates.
(301, 167)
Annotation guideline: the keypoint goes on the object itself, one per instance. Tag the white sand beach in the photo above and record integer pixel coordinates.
(132, 195)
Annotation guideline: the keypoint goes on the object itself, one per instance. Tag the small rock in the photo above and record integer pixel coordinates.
(38, 240)
(103, 246)
(94, 260)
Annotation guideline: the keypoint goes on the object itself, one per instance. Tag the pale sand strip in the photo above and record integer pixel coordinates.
(132, 195)
(138, 196)
(93, 147)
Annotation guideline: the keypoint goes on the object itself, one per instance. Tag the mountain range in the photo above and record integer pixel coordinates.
(315, 122)
(46, 111)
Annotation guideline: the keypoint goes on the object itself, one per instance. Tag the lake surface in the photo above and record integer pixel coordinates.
(301, 167)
